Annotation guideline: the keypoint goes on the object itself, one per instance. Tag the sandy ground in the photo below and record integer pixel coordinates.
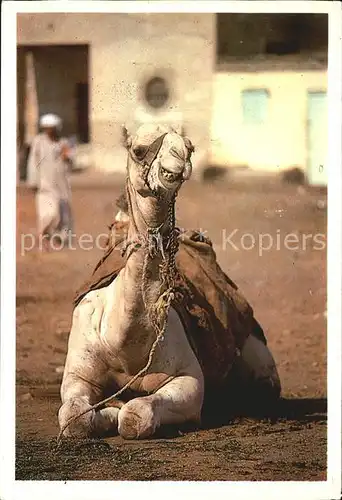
(287, 289)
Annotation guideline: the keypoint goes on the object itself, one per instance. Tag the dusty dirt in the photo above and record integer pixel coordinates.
(287, 289)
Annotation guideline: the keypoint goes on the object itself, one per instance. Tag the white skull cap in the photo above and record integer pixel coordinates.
(50, 120)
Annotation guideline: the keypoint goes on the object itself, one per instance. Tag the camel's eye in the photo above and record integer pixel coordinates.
(139, 152)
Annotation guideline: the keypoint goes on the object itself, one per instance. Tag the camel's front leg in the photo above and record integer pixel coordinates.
(180, 400)
(84, 376)
(79, 396)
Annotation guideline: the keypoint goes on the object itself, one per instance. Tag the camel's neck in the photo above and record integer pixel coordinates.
(140, 282)
(141, 276)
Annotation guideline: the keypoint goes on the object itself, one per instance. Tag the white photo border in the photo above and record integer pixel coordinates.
(11, 489)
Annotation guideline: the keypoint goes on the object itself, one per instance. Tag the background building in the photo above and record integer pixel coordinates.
(249, 89)
(270, 93)
(93, 69)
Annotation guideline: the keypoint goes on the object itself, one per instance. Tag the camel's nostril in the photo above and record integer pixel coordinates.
(172, 166)
(166, 176)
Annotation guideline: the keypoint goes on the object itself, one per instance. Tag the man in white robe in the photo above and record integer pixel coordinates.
(49, 165)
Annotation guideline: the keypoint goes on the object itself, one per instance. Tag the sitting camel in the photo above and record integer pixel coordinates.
(131, 336)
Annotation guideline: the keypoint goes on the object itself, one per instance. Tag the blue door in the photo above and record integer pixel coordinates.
(317, 138)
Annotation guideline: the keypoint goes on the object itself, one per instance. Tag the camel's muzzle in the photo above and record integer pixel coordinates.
(168, 179)
(166, 174)
(176, 171)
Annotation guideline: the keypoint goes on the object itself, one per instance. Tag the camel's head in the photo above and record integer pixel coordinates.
(158, 160)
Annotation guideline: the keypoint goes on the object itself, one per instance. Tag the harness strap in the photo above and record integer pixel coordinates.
(150, 153)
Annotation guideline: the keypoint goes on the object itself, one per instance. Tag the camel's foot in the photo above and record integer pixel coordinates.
(91, 424)
(106, 421)
(82, 426)
(137, 419)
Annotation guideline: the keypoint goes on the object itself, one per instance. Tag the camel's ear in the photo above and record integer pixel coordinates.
(126, 138)
(189, 145)
(188, 166)
(187, 170)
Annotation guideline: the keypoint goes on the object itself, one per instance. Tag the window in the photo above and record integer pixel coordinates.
(156, 92)
(255, 106)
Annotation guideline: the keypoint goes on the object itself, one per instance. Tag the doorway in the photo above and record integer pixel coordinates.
(60, 77)
(82, 112)
(317, 132)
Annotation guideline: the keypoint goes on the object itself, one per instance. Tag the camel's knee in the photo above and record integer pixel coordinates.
(256, 358)
(137, 419)
(81, 426)
(257, 367)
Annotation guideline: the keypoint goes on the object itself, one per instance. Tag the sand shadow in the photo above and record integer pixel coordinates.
(285, 409)
(294, 410)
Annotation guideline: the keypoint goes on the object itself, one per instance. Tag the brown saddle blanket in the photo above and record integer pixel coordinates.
(216, 317)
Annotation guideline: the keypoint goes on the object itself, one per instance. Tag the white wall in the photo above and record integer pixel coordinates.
(279, 143)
